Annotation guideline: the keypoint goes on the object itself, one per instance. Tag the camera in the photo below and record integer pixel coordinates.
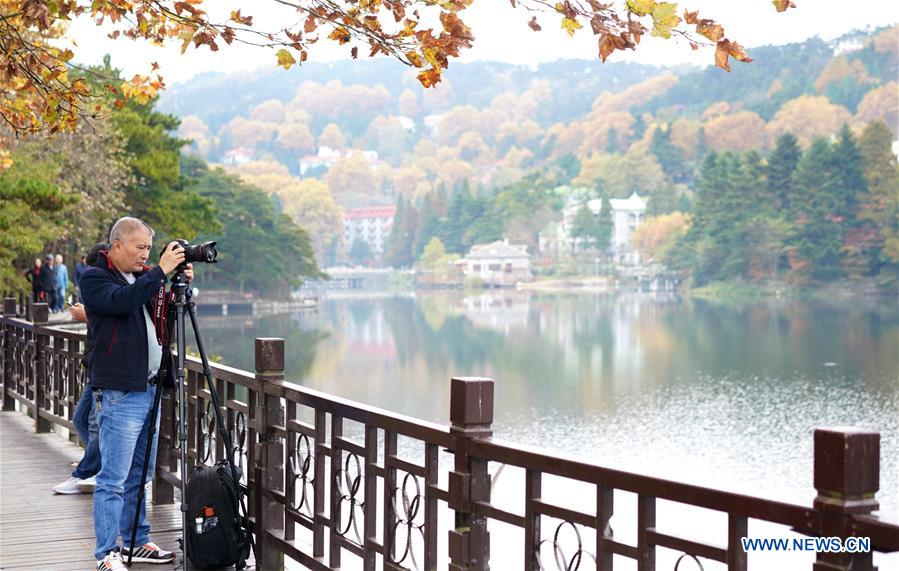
(204, 253)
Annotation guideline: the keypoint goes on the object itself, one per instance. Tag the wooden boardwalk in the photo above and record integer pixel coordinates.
(43, 531)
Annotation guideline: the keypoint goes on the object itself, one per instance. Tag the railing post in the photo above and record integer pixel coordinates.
(9, 310)
(847, 475)
(269, 468)
(471, 415)
(40, 313)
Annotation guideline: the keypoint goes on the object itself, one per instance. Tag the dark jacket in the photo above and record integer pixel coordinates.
(34, 277)
(88, 349)
(48, 278)
(116, 318)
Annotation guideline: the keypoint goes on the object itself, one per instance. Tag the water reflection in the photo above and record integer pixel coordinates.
(722, 395)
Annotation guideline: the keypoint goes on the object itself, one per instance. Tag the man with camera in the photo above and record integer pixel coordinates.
(119, 294)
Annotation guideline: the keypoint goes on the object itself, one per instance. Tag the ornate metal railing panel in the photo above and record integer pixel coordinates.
(330, 479)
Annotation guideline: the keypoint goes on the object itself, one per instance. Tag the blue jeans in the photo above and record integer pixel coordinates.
(60, 299)
(89, 431)
(124, 431)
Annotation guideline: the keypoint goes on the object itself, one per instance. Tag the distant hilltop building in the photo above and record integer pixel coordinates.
(238, 156)
(498, 263)
(371, 225)
(627, 214)
(326, 157)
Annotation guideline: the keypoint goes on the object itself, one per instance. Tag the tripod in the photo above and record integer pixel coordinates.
(181, 303)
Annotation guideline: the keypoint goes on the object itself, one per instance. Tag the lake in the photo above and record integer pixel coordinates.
(722, 395)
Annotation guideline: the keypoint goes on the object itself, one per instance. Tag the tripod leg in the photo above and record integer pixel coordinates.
(151, 428)
(182, 419)
(223, 430)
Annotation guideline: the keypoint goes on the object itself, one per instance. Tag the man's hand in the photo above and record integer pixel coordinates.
(189, 272)
(172, 257)
(77, 312)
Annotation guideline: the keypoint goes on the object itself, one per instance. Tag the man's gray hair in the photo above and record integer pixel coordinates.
(125, 226)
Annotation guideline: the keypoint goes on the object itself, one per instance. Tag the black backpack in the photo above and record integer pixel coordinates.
(217, 535)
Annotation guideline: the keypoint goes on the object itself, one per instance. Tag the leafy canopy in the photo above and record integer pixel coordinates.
(40, 94)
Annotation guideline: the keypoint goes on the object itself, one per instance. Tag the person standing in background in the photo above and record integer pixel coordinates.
(34, 278)
(84, 477)
(48, 282)
(62, 282)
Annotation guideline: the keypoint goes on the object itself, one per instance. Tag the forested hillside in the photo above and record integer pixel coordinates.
(496, 149)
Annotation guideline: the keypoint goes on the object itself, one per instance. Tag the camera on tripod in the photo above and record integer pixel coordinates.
(216, 500)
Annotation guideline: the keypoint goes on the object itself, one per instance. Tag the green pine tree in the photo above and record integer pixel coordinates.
(396, 240)
(670, 157)
(819, 233)
(851, 184)
(781, 164)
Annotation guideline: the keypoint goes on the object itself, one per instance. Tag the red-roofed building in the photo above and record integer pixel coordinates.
(371, 225)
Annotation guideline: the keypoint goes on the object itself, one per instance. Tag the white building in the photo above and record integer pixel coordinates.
(497, 263)
(627, 214)
(371, 225)
(238, 156)
(326, 157)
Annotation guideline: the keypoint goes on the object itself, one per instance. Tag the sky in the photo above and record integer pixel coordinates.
(501, 34)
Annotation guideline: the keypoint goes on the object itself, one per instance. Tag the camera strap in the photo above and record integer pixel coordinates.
(161, 303)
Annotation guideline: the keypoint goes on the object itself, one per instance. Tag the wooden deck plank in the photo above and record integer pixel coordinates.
(40, 530)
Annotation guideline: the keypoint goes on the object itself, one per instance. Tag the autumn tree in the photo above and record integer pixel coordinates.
(455, 123)
(332, 137)
(411, 181)
(270, 111)
(740, 132)
(294, 139)
(806, 117)
(881, 104)
(436, 261)
(408, 104)
(353, 182)
(620, 175)
(241, 132)
(310, 205)
(656, 236)
(193, 129)
(389, 138)
(684, 134)
(879, 206)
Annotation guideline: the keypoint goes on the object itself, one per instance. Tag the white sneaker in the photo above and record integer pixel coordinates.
(112, 562)
(87, 485)
(70, 486)
(148, 553)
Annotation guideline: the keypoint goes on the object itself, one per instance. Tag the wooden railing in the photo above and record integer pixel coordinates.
(331, 480)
